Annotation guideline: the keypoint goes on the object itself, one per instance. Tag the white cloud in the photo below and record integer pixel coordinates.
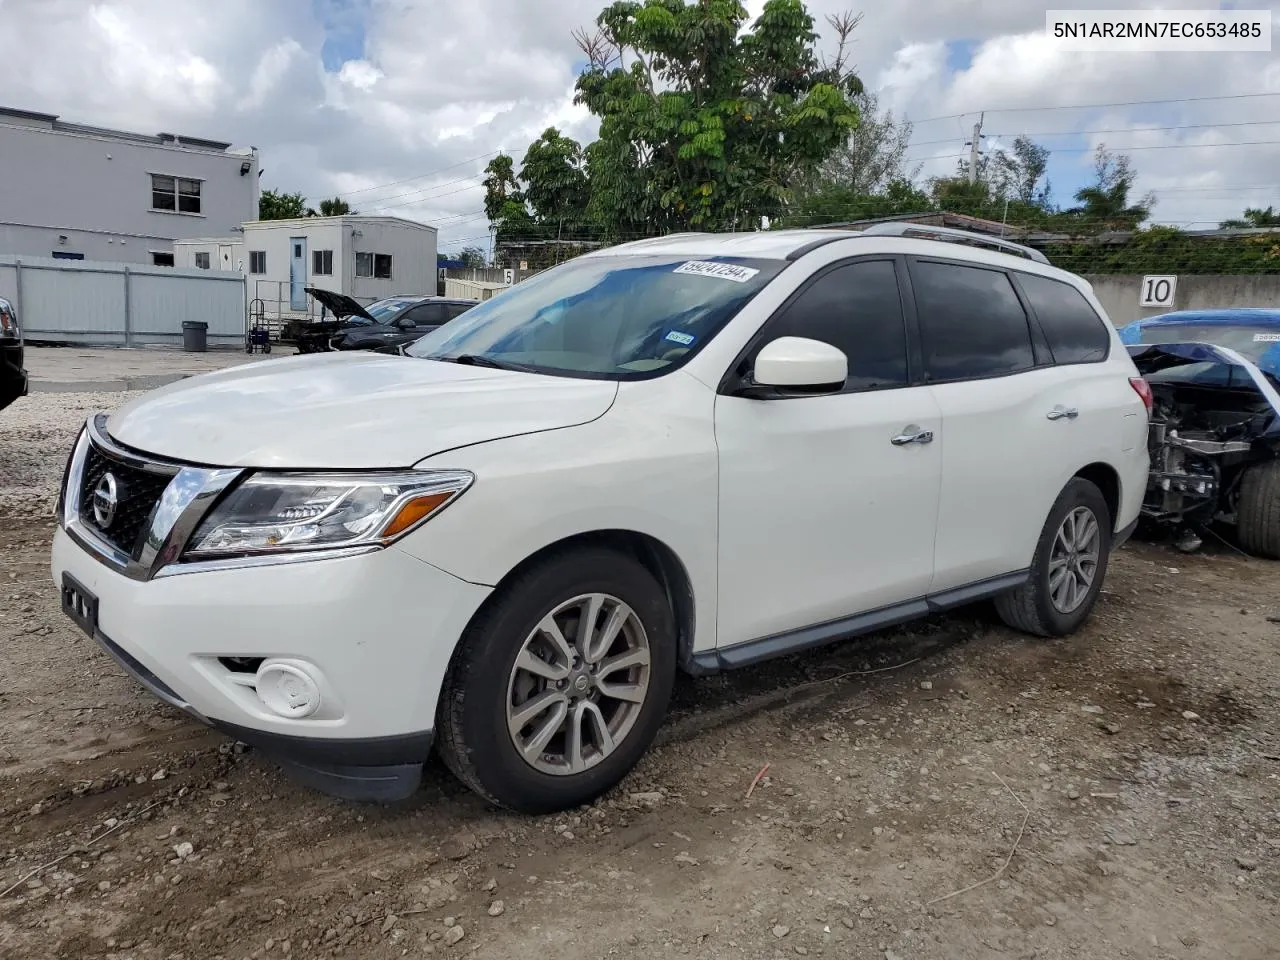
(437, 84)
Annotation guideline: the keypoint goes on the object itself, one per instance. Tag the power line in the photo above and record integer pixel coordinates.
(1129, 149)
(1099, 106)
(1079, 133)
(421, 176)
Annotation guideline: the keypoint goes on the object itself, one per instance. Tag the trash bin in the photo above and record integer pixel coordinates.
(194, 336)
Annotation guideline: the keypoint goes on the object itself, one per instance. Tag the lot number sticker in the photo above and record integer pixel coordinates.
(1266, 338)
(722, 271)
(1157, 291)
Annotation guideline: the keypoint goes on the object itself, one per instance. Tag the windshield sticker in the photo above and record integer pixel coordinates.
(1266, 338)
(684, 339)
(722, 271)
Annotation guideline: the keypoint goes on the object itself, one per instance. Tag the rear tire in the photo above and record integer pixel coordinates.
(1046, 605)
(1258, 512)
(609, 708)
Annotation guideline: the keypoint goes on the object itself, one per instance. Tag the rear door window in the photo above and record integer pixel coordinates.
(972, 324)
(1075, 332)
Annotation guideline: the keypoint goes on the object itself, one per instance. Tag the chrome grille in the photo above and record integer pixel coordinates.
(137, 493)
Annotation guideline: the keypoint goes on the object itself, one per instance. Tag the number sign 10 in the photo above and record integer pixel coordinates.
(1157, 291)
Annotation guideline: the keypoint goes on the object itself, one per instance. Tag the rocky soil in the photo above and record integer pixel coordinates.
(952, 790)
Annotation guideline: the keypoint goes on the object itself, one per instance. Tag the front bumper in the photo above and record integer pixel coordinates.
(374, 631)
(13, 378)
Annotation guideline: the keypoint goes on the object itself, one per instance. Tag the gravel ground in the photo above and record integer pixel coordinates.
(952, 790)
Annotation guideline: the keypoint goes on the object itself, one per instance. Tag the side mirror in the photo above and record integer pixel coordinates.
(798, 365)
(406, 323)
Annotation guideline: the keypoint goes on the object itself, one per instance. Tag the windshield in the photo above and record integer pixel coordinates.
(604, 317)
(384, 310)
(1251, 342)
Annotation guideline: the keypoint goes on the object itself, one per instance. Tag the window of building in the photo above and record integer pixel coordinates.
(161, 259)
(971, 322)
(322, 262)
(856, 308)
(202, 261)
(66, 255)
(1075, 332)
(257, 261)
(175, 194)
(377, 265)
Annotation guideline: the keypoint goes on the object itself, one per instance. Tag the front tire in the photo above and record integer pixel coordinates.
(560, 683)
(1068, 568)
(1258, 512)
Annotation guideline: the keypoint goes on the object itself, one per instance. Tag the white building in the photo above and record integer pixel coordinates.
(366, 257)
(78, 192)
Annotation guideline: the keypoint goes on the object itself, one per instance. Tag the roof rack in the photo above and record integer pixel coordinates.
(920, 231)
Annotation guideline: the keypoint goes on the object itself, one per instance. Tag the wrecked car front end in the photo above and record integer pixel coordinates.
(1214, 438)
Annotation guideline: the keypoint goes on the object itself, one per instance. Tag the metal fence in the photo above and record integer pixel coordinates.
(120, 304)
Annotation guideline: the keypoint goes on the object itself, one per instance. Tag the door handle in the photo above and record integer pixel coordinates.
(1060, 413)
(912, 434)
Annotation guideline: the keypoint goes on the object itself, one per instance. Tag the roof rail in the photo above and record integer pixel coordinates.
(920, 231)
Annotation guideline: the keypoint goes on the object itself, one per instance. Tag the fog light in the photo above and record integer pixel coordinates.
(287, 690)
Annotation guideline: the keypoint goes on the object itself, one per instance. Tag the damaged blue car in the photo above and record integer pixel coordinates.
(1215, 423)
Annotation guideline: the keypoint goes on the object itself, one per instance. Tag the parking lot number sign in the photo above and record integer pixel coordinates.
(1157, 291)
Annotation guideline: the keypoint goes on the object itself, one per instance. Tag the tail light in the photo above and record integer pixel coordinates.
(1143, 389)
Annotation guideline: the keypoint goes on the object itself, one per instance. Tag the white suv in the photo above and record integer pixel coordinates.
(688, 453)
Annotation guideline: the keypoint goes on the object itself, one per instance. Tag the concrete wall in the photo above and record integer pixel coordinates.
(1119, 293)
(117, 304)
(95, 190)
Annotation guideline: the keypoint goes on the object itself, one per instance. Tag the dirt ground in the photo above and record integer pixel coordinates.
(952, 790)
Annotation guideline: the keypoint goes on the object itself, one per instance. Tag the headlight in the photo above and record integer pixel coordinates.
(285, 512)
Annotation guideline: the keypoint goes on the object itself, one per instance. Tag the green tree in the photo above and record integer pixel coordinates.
(472, 257)
(500, 186)
(555, 181)
(1253, 217)
(337, 207)
(837, 204)
(273, 205)
(1019, 173)
(705, 121)
(1105, 204)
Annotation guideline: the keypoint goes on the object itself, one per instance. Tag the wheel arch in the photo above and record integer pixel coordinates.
(653, 554)
(1107, 479)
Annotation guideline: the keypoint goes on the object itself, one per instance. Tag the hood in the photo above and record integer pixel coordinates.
(1151, 358)
(349, 411)
(339, 304)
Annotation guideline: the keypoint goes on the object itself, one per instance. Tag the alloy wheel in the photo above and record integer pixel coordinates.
(578, 684)
(1073, 562)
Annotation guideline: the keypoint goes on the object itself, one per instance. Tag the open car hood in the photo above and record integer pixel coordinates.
(1151, 358)
(339, 304)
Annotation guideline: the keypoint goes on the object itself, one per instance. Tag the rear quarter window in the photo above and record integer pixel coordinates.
(1075, 332)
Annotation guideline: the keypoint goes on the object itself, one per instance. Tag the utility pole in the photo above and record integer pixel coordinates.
(975, 149)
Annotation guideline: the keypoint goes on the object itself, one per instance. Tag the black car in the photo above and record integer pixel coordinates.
(384, 325)
(13, 379)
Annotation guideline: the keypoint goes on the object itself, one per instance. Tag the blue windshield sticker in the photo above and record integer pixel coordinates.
(684, 339)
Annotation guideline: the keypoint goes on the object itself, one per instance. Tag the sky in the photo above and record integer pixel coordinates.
(397, 105)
